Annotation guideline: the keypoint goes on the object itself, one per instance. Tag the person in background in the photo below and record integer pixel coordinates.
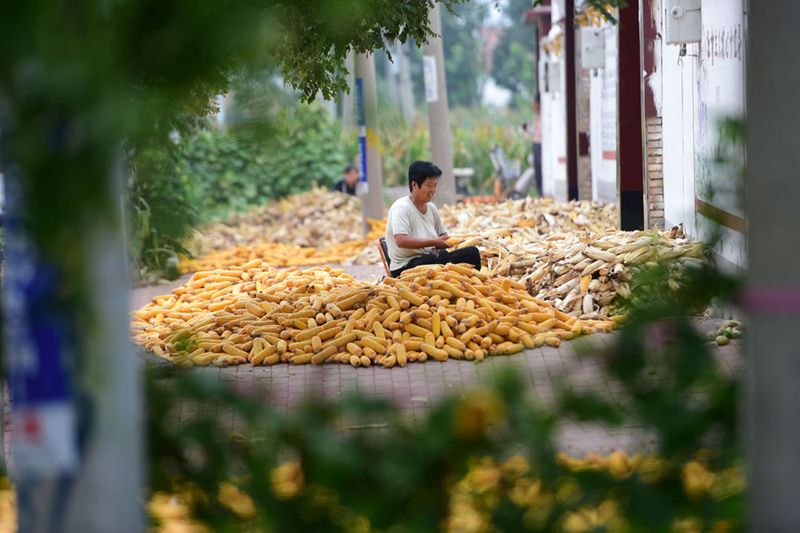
(347, 185)
(537, 145)
(415, 234)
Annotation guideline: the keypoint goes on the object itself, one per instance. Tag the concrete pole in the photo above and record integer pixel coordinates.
(773, 287)
(76, 442)
(439, 111)
(349, 99)
(406, 88)
(112, 473)
(370, 185)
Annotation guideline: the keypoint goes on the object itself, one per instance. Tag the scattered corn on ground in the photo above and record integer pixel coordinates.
(274, 254)
(257, 314)
(283, 255)
(564, 253)
(473, 498)
(311, 228)
(305, 219)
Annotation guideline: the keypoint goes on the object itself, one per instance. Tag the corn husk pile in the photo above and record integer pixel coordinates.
(582, 274)
(542, 215)
(284, 255)
(313, 228)
(538, 216)
(313, 218)
(258, 314)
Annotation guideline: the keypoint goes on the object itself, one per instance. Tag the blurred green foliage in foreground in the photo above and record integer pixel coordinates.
(486, 461)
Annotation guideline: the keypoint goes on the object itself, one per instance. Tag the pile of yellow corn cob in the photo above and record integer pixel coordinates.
(283, 255)
(257, 314)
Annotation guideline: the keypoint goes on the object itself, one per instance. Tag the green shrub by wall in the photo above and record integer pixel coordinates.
(231, 171)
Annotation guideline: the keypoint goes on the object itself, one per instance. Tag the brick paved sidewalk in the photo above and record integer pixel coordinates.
(415, 388)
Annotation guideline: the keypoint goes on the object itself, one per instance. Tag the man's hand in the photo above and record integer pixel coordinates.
(441, 243)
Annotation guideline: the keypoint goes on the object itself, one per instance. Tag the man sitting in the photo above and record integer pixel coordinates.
(347, 184)
(415, 234)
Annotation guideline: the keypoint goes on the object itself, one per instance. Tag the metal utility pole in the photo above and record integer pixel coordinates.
(571, 100)
(439, 111)
(773, 287)
(370, 183)
(630, 139)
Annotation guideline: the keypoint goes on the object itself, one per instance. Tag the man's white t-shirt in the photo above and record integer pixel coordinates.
(405, 219)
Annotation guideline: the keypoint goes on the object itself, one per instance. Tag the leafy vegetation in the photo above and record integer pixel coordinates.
(462, 53)
(161, 212)
(77, 82)
(513, 64)
(174, 186)
(474, 131)
(228, 171)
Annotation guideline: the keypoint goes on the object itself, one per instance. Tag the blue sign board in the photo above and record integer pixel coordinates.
(363, 184)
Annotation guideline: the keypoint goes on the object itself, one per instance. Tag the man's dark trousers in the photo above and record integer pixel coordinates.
(469, 255)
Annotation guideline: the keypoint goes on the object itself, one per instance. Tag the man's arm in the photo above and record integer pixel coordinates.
(415, 243)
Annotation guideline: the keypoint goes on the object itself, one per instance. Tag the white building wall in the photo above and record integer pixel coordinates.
(547, 105)
(559, 131)
(554, 170)
(603, 140)
(596, 129)
(698, 91)
(721, 96)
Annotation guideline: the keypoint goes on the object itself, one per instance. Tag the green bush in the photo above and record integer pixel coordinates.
(401, 145)
(160, 209)
(234, 170)
(474, 132)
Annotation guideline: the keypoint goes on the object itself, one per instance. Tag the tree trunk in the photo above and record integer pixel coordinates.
(406, 88)
(370, 186)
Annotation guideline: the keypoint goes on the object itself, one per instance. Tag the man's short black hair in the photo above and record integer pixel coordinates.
(419, 171)
(350, 168)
